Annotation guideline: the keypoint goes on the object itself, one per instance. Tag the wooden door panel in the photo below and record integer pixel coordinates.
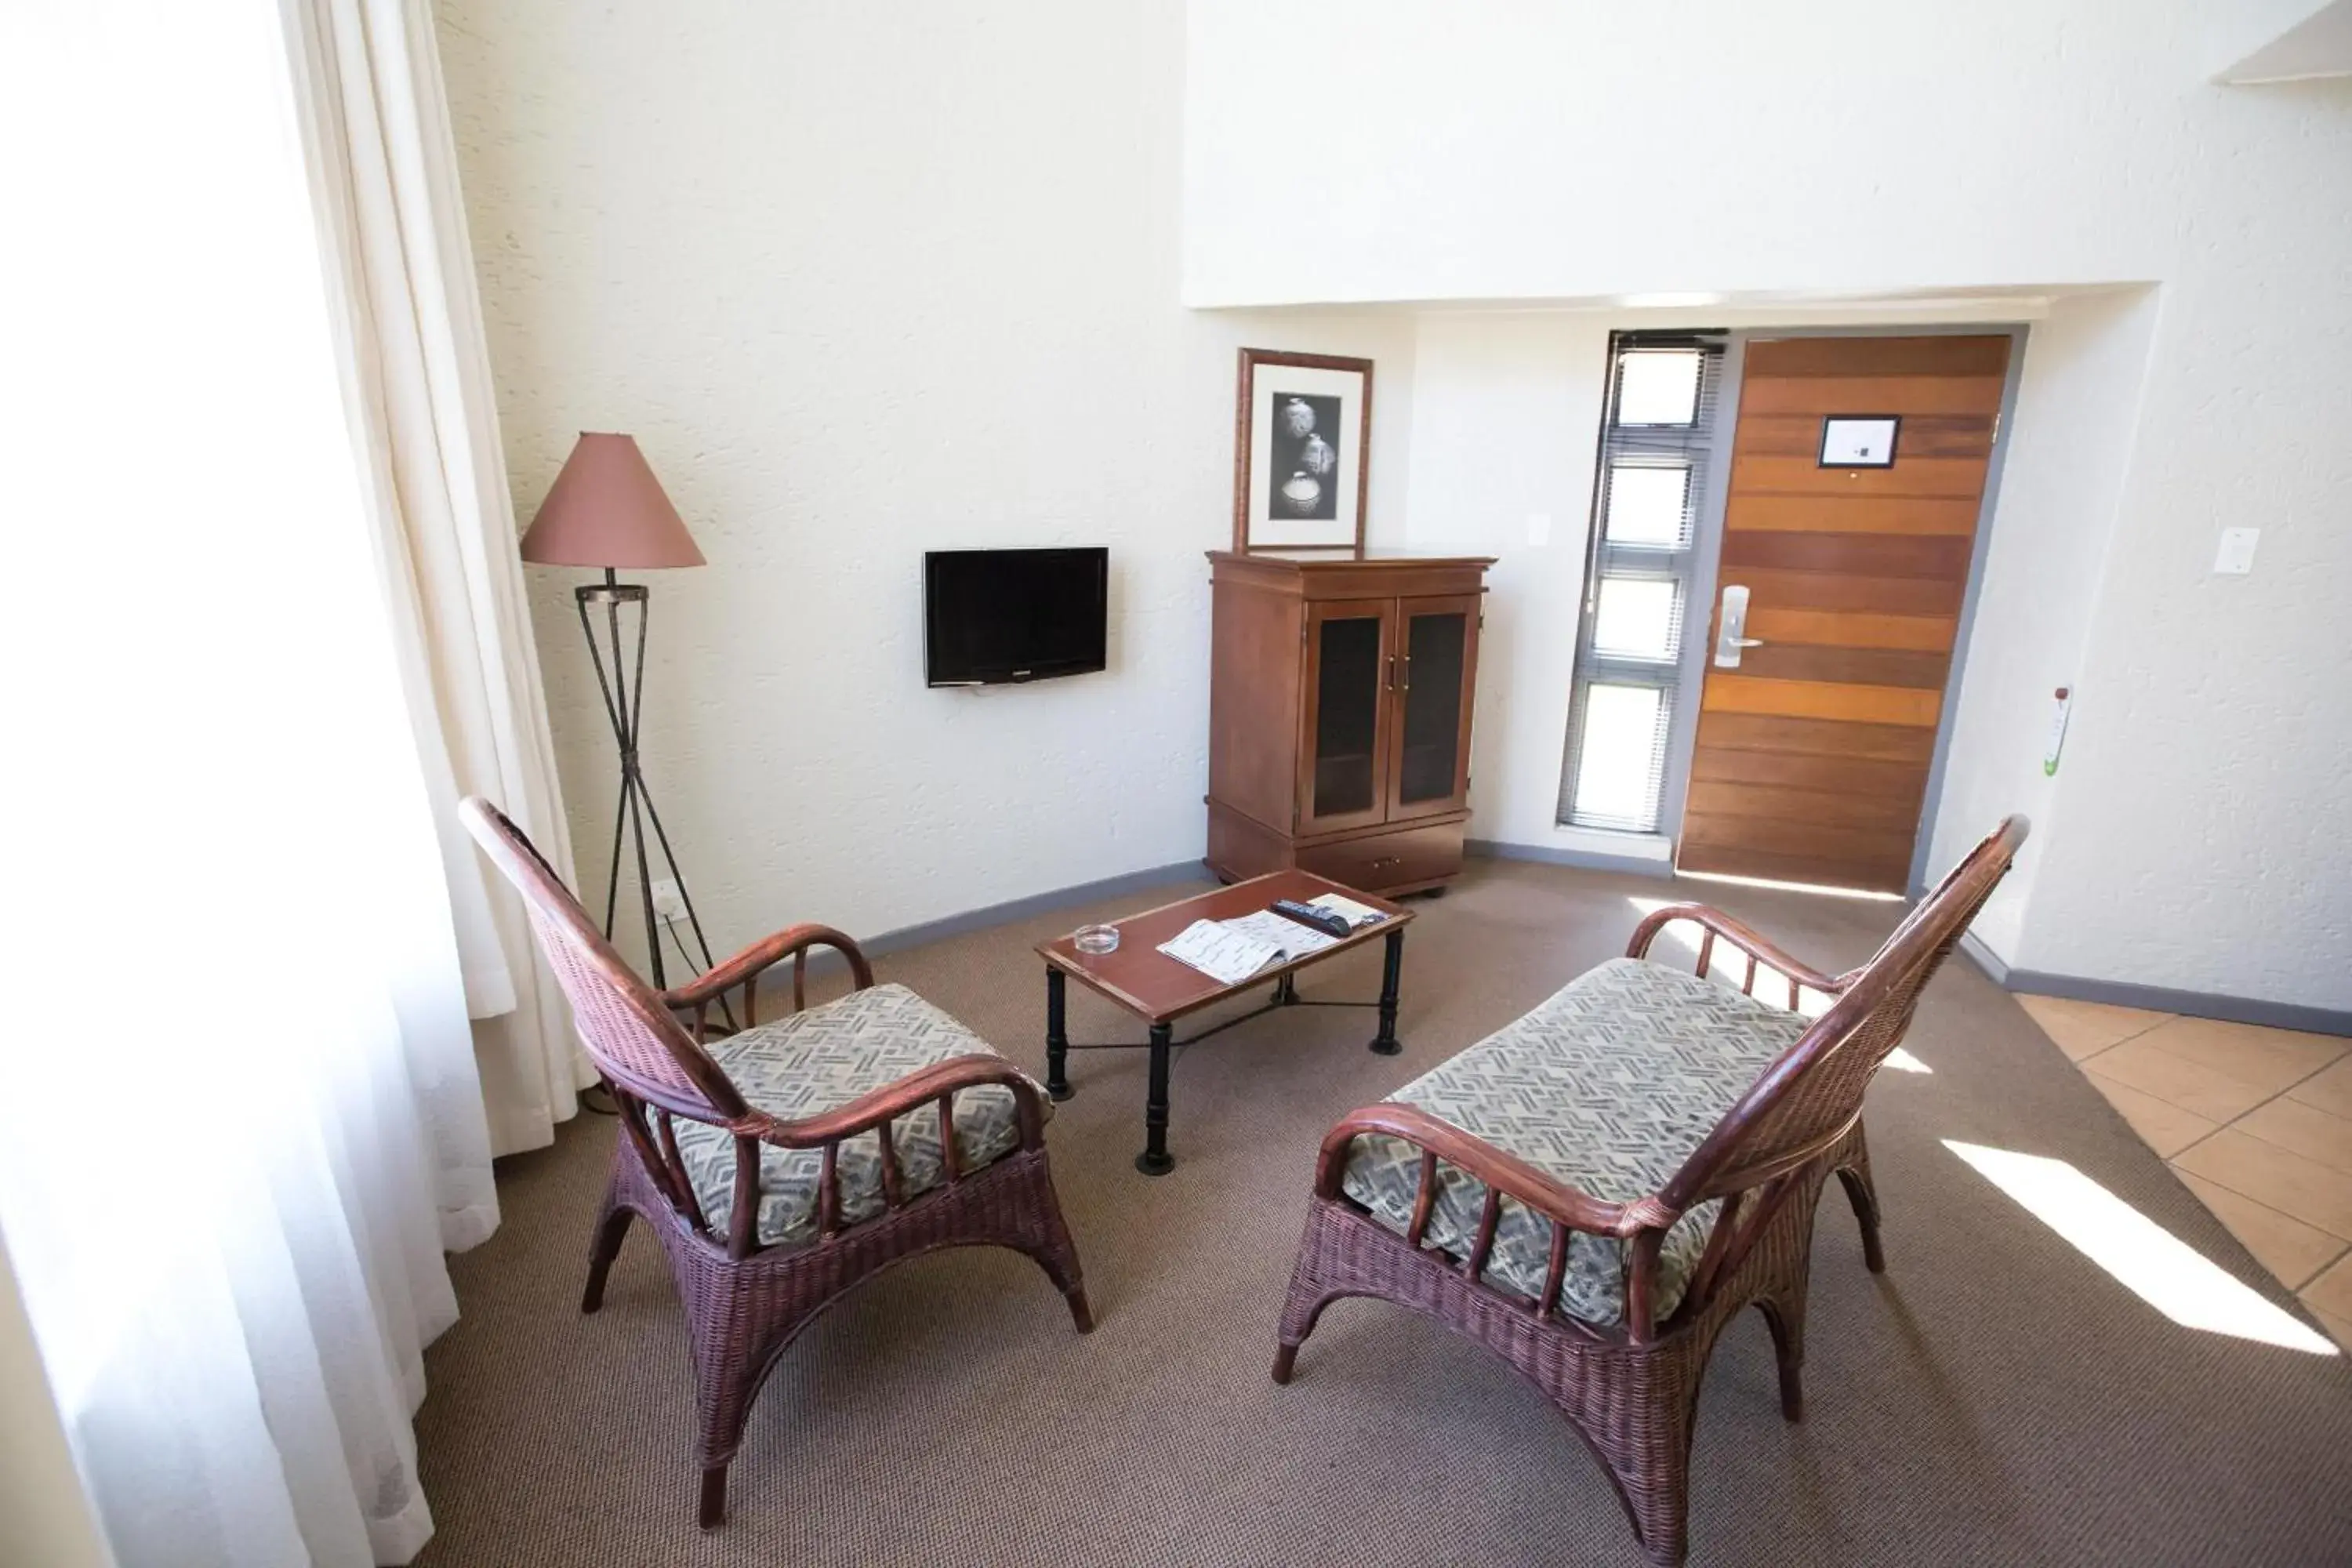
(1942, 556)
(1868, 872)
(1811, 757)
(1845, 665)
(1812, 771)
(1729, 692)
(1735, 732)
(1850, 628)
(1853, 514)
(1849, 808)
(1827, 591)
(1837, 841)
(1933, 478)
(1904, 394)
(1840, 358)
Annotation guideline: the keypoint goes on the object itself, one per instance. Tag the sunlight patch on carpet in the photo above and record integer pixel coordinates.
(2149, 1260)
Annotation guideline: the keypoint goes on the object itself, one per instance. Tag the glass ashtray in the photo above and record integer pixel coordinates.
(1096, 939)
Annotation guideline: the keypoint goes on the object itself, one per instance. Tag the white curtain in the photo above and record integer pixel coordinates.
(376, 132)
(242, 1117)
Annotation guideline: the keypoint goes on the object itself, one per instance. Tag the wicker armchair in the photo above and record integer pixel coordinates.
(1556, 1193)
(781, 1164)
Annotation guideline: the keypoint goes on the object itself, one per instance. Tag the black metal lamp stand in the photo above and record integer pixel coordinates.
(623, 683)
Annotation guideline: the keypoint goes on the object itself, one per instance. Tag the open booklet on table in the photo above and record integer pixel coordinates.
(1230, 951)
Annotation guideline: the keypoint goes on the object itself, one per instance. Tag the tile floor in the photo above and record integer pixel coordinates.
(2257, 1122)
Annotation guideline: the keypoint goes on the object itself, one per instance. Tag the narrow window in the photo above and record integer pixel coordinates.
(1656, 428)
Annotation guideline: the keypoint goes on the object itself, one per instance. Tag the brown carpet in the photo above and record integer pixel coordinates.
(1994, 1398)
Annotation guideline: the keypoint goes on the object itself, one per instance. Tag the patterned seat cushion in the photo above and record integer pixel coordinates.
(1608, 1086)
(819, 1060)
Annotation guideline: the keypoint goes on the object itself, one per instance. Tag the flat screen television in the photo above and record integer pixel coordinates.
(991, 616)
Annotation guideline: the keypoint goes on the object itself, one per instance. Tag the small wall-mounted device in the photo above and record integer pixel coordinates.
(2057, 731)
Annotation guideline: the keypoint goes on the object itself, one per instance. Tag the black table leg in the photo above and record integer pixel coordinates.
(1392, 971)
(1057, 1038)
(1285, 991)
(1154, 1160)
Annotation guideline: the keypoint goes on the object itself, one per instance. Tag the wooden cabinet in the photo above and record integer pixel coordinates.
(1339, 699)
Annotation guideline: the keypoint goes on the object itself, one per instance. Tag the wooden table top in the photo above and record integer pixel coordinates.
(1158, 989)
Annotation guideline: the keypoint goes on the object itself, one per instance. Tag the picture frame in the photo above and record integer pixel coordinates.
(1859, 440)
(1302, 451)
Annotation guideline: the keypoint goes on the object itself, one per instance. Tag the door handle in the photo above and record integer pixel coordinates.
(1729, 642)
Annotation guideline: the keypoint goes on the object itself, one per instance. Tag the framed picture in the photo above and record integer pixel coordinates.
(1859, 440)
(1302, 433)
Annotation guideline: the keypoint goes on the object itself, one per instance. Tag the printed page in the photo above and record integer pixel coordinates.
(1285, 935)
(1226, 956)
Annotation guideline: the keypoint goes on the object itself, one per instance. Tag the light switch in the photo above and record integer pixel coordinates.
(2236, 556)
(1538, 528)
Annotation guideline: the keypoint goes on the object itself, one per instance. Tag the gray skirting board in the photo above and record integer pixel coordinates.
(824, 961)
(1582, 859)
(2154, 998)
(2158, 998)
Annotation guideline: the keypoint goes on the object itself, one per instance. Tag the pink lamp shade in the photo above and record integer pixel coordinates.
(606, 508)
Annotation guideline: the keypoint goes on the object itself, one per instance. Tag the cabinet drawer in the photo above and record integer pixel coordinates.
(1380, 861)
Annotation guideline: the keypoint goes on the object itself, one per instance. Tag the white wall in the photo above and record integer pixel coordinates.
(1519, 152)
(865, 280)
(2061, 480)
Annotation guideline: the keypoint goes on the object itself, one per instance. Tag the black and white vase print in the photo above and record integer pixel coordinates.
(1303, 457)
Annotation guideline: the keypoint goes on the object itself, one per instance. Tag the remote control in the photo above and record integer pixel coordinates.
(1323, 920)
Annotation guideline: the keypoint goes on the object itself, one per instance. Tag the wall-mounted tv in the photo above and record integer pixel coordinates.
(991, 617)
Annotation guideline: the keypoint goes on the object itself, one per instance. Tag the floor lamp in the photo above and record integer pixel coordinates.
(606, 509)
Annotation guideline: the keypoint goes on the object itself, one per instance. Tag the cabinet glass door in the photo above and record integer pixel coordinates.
(1350, 647)
(1438, 653)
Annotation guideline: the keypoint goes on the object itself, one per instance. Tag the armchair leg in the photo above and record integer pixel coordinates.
(611, 1227)
(713, 1510)
(1787, 1324)
(1854, 1177)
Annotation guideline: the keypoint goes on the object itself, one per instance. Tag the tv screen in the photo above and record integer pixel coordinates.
(993, 616)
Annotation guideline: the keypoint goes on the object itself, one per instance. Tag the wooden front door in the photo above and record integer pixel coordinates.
(1811, 763)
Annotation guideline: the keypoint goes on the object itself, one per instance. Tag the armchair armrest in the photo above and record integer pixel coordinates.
(872, 1112)
(1757, 947)
(745, 968)
(892, 1100)
(1641, 1224)
(1498, 1171)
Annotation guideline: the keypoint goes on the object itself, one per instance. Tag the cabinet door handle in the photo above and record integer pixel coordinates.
(1393, 685)
(1406, 684)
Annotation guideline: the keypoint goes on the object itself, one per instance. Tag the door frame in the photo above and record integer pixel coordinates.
(1707, 560)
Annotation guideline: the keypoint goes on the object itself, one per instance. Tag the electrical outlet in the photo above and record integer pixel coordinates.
(670, 900)
(2235, 558)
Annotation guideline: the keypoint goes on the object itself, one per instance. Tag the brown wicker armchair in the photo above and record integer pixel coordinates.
(781, 1164)
(1589, 1235)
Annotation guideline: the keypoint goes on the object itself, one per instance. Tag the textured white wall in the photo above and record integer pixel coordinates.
(2200, 838)
(2069, 444)
(865, 280)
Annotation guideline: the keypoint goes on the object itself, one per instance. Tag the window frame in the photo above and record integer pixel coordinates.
(1703, 447)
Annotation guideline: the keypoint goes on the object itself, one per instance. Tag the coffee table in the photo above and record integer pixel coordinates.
(1160, 989)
